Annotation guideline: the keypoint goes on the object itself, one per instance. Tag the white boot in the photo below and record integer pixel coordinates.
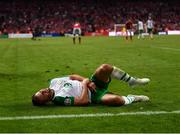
(139, 98)
(137, 81)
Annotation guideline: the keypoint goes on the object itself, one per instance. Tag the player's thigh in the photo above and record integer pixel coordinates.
(127, 32)
(130, 32)
(112, 99)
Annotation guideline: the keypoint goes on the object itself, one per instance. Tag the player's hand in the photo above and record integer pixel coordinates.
(92, 86)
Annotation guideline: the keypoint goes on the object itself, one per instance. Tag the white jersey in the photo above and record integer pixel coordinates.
(150, 24)
(66, 87)
(140, 25)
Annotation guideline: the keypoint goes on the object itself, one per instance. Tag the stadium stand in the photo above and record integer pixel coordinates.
(58, 16)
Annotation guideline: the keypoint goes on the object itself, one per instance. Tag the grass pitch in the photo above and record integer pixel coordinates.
(26, 66)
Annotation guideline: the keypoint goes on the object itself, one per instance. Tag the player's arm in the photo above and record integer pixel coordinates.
(84, 98)
(91, 84)
(77, 101)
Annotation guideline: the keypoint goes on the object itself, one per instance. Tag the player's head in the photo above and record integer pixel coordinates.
(42, 97)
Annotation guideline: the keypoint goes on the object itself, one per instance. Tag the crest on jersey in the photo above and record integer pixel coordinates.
(67, 85)
(67, 101)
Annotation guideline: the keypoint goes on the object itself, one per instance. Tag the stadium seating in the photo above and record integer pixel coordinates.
(58, 16)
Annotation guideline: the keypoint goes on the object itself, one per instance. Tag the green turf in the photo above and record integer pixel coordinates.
(27, 65)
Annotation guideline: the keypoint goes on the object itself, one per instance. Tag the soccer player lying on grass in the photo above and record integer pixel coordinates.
(78, 90)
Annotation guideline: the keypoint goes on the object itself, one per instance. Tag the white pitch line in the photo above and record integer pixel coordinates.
(167, 48)
(88, 115)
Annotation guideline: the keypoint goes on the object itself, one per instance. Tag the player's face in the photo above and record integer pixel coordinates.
(44, 95)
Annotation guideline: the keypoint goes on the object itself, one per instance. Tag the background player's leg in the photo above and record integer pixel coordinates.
(130, 32)
(74, 41)
(79, 40)
(142, 36)
(139, 34)
(151, 35)
(126, 35)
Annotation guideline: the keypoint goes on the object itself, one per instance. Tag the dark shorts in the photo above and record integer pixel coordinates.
(140, 31)
(101, 89)
(150, 30)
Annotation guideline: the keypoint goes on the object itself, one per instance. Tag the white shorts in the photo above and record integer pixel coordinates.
(129, 32)
(76, 31)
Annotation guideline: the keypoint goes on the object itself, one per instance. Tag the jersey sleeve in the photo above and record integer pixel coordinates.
(64, 101)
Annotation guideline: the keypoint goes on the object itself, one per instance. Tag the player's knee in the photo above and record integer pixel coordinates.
(106, 68)
(103, 72)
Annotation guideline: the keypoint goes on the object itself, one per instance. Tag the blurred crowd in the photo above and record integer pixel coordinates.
(58, 16)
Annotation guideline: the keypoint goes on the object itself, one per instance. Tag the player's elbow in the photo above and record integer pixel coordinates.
(84, 102)
(81, 102)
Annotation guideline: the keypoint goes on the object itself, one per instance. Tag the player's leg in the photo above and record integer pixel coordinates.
(142, 36)
(74, 40)
(119, 74)
(130, 32)
(116, 100)
(106, 71)
(151, 35)
(112, 99)
(34, 36)
(79, 34)
(127, 34)
(139, 34)
(148, 32)
(79, 39)
(74, 36)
